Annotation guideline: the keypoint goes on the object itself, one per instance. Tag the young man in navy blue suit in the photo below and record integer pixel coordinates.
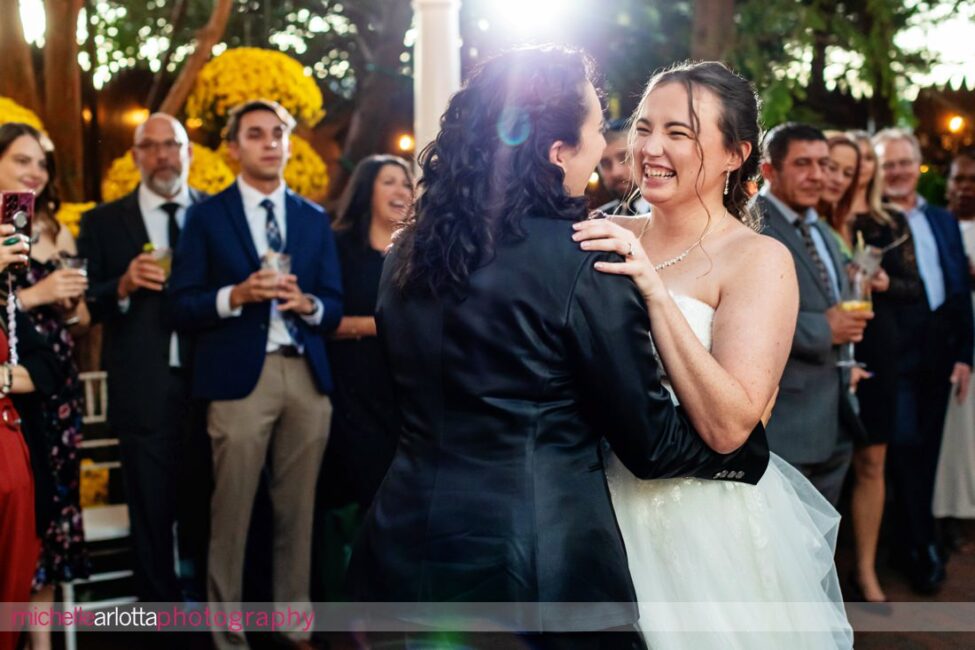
(260, 354)
(935, 358)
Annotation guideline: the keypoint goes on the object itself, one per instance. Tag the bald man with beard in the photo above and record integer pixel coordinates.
(149, 406)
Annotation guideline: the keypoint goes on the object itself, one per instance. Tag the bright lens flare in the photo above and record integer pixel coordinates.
(956, 123)
(405, 142)
(593, 180)
(136, 116)
(529, 15)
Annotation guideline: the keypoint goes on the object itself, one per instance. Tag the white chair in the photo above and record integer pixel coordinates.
(102, 523)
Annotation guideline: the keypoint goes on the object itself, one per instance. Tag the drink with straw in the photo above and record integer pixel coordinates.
(855, 299)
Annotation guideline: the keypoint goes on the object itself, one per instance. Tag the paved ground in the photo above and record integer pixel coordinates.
(960, 587)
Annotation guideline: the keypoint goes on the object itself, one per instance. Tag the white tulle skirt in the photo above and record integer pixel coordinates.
(718, 564)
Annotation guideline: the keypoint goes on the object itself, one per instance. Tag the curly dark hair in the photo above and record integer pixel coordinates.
(739, 122)
(489, 165)
(355, 205)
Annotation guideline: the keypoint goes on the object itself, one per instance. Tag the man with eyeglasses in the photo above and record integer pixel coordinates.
(935, 359)
(127, 244)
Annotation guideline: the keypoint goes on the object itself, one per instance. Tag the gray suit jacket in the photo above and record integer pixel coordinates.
(805, 426)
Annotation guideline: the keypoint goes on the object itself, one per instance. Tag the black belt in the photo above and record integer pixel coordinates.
(289, 351)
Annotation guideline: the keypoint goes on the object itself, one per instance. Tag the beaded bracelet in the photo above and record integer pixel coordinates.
(12, 320)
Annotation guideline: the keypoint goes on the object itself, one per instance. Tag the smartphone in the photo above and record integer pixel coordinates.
(17, 209)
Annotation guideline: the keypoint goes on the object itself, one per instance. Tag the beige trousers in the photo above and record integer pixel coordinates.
(286, 416)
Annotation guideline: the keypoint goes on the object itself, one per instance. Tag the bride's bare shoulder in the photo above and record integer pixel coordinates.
(753, 254)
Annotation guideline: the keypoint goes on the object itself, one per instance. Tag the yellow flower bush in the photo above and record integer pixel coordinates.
(11, 111)
(69, 215)
(208, 173)
(247, 73)
(305, 172)
(93, 489)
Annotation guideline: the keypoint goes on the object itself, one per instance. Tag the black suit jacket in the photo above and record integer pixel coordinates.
(497, 491)
(135, 352)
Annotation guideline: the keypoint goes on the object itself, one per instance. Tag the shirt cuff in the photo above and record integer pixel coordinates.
(124, 304)
(315, 318)
(224, 310)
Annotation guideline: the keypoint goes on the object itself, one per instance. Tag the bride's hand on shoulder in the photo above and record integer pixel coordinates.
(606, 236)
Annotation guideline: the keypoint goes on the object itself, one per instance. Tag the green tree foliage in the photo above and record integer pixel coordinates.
(792, 50)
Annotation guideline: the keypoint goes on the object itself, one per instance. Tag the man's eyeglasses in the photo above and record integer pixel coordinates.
(167, 146)
(904, 164)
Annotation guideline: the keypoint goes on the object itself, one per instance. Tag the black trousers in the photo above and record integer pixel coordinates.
(151, 460)
(923, 390)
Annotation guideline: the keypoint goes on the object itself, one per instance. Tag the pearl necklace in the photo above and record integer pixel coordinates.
(679, 258)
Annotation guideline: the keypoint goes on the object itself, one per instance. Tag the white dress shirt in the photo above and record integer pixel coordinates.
(928, 260)
(156, 221)
(256, 216)
(811, 217)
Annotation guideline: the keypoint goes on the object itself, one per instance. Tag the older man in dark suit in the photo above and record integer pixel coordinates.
(935, 358)
(148, 403)
(810, 423)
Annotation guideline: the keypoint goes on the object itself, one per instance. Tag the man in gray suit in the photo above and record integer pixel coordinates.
(807, 425)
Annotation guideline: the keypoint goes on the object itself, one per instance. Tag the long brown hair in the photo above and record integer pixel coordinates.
(354, 213)
(738, 122)
(837, 215)
(47, 202)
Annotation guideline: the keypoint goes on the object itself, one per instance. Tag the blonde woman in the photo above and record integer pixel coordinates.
(882, 226)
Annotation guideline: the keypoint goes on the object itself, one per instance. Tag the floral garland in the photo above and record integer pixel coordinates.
(208, 173)
(247, 73)
(305, 173)
(11, 111)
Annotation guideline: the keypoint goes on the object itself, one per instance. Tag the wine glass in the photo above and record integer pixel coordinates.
(856, 298)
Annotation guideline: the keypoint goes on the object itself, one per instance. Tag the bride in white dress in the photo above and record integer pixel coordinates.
(716, 564)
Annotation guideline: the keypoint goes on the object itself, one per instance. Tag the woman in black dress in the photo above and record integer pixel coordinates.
(364, 431)
(881, 226)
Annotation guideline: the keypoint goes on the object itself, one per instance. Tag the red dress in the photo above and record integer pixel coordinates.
(19, 546)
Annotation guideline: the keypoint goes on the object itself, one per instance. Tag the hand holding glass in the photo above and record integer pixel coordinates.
(856, 298)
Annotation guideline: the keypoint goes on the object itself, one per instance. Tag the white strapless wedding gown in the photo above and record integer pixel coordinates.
(728, 565)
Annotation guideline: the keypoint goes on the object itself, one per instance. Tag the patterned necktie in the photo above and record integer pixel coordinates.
(171, 224)
(276, 243)
(807, 239)
(274, 240)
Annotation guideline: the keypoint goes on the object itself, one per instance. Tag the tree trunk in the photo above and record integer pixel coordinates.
(713, 29)
(206, 38)
(377, 88)
(62, 94)
(155, 92)
(17, 79)
(816, 92)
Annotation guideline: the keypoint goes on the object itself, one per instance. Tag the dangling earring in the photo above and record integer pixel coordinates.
(727, 179)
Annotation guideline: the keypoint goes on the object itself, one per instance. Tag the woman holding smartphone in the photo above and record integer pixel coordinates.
(38, 370)
(51, 293)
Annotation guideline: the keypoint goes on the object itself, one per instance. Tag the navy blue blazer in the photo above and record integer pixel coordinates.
(215, 250)
(954, 266)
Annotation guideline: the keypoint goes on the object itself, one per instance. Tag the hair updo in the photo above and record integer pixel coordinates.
(739, 122)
